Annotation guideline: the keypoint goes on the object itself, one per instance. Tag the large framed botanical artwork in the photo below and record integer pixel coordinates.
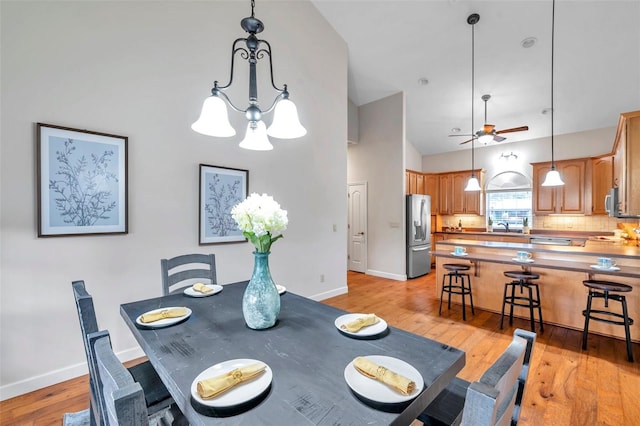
(221, 188)
(82, 182)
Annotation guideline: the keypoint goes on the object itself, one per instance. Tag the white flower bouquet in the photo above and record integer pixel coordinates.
(260, 217)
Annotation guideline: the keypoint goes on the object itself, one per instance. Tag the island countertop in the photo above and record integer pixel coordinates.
(562, 269)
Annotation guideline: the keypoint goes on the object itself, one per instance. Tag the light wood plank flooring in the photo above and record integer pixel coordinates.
(567, 386)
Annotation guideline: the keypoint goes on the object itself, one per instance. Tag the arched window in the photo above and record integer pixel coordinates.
(509, 200)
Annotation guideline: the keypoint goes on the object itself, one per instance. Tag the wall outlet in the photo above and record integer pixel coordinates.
(335, 228)
(321, 278)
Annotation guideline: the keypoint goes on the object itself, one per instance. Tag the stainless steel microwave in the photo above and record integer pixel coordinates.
(611, 205)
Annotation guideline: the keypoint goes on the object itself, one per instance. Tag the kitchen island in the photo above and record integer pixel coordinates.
(562, 270)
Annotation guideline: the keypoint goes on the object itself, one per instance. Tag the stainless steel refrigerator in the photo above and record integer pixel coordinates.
(418, 235)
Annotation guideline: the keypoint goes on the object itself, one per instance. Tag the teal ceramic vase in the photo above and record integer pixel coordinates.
(261, 301)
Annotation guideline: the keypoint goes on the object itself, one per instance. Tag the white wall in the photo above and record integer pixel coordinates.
(142, 69)
(378, 159)
(412, 157)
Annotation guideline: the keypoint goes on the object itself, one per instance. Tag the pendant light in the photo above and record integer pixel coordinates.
(472, 184)
(214, 119)
(553, 176)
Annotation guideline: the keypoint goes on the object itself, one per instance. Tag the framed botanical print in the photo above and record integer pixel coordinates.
(82, 182)
(221, 188)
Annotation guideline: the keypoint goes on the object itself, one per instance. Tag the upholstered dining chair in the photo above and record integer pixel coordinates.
(156, 395)
(495, 399)
(177, 270)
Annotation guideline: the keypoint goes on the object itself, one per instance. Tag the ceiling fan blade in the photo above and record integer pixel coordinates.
(497, 138)
(462, 134)
(467, 141)
(514, 129)
(488, 128)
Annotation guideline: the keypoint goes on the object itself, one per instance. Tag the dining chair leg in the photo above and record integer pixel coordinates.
(513, 298)
(539, 308)
(504, 303)
(627, 331)
(587, 314)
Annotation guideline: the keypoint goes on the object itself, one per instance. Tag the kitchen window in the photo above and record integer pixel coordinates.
(509, 200)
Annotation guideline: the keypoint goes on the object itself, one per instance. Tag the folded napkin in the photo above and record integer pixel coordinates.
(202, 288)
(165, 313)
(374, 371)
(358, 323)
(210, 388)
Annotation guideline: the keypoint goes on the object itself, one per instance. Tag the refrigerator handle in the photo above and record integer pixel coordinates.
(420, 249)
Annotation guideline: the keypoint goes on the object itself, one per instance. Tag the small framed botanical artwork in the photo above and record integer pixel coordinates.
(221, 188)
(82, 182)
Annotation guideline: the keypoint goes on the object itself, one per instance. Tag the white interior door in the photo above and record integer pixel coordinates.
(357, 225)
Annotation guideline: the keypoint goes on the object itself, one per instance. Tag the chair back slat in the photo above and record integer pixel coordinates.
(177, 270)
(88, 324)
(123, 397)
(491, 400)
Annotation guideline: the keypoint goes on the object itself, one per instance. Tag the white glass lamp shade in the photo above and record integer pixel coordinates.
(214, 119)
(286, 124)
(473, 184)
(256, 138)
(552, 179)
(485, 138)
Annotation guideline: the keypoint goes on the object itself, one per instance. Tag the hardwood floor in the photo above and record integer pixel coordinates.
(566, 386)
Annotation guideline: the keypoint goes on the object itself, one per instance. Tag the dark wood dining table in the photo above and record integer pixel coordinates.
(305, 351)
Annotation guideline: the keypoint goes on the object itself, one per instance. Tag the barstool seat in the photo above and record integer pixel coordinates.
(600, 289)
(522, 279)
(462, 286)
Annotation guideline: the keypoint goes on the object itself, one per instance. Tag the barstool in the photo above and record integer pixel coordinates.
(601, 289)
(522, 279)
(456, 270)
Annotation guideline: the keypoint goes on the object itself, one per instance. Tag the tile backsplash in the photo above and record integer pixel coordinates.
(553, 222)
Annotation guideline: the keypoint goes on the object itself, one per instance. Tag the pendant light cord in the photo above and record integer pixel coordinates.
(472, 91)
(553, 25)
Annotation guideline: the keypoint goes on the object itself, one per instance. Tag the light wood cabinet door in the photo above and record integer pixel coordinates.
(412, 186)
(431, 186)
(419, 183)
(601, 182)
(571, 194)
(458, 182)
(568, 198)
(444, 194)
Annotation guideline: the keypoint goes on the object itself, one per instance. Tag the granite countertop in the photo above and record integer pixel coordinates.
(535, 233)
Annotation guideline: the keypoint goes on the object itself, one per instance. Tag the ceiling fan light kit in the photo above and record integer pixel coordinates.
(553, 176)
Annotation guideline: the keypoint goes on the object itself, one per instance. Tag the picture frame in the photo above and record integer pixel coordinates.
(82, 182)
(221, 188)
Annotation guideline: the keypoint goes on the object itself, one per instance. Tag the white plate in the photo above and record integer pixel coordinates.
(378, 391)
(281, 288)
(163, 322)
(238, 394)
(189, 291)
(371, 330)
(602, 268)
(461, 254)
(515, 259)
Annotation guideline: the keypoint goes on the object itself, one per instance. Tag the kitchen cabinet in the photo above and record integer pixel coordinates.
(444, 194)
(626, 163)
(601, 182)
(414, 182)
(431, 184)
(567, 199)
(465, 202)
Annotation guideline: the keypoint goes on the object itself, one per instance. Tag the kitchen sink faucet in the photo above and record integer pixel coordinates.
(505, 224)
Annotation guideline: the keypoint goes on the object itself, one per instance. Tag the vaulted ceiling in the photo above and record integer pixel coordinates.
(394, 44)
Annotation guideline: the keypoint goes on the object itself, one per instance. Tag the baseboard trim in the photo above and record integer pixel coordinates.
(397, 277)
(331, 293)
(55, 377)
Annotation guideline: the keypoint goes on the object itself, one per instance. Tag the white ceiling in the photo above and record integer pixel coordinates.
(394, 43)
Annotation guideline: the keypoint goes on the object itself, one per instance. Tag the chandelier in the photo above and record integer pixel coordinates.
(214, 117)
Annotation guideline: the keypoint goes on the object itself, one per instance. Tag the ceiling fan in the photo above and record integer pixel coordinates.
(488, 132)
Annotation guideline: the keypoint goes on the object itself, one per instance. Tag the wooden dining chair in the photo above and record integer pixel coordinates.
(177, 270)
(495, 399)
(157, 396)
(120, 397)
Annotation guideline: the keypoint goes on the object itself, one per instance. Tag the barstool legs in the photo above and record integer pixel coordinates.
(460, 288)
(626, 321)
(531, 302)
